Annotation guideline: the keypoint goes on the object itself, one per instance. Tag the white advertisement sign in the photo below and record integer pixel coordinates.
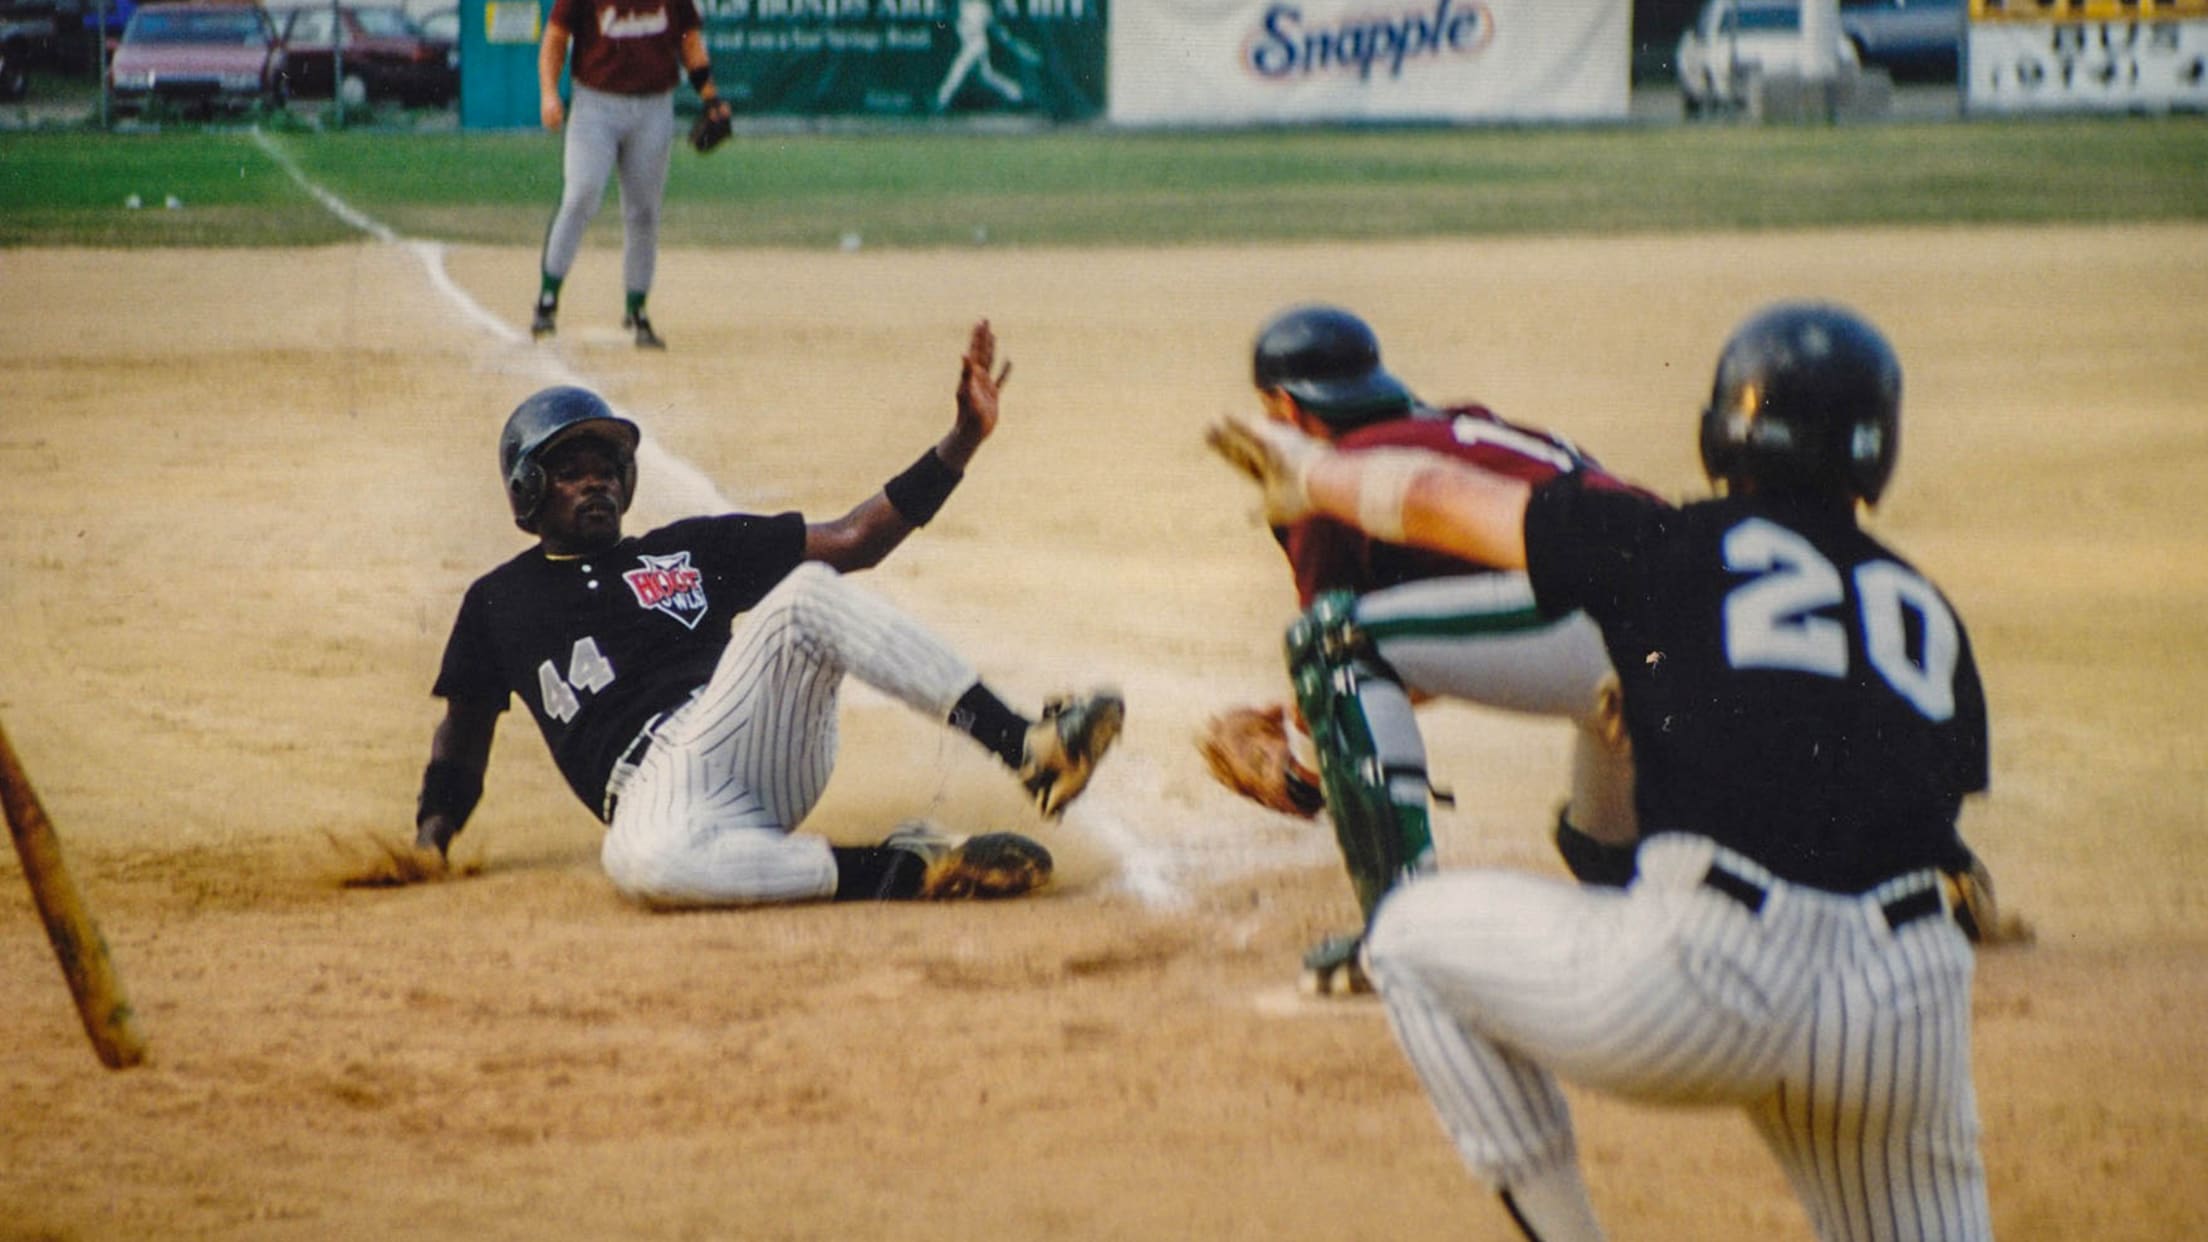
(2123, 66)
(1203, 62)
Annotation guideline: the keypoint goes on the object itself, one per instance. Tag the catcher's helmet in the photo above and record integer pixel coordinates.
(1807, 398)
(1329, 361)
(551, 417)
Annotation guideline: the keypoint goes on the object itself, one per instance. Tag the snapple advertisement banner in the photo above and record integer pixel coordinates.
(1202, 62)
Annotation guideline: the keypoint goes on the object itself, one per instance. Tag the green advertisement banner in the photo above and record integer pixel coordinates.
(1040, 58)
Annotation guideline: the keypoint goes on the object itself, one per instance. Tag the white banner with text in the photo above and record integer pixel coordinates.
(2088, 65)
(1206, 62)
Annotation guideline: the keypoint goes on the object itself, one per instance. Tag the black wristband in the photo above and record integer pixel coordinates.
(920, 491)
(449, 789)
(699, 77)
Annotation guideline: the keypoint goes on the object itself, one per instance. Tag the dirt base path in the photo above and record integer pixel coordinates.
(246, 489)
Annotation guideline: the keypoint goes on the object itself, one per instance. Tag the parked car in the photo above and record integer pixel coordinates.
(441, 24)
(198, 56)
(1920, 39)
(385, 53)
(1732, 41)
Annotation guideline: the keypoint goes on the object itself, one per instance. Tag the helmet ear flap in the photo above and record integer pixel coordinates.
(541, 421)
(1717, 452)
(525, 490)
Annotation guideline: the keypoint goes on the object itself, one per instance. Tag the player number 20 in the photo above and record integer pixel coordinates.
(587, 669)
(1773, 620)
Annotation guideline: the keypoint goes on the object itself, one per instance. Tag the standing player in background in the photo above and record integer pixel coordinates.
(1423, 625)
(628, 57)
(703, 745)
(1806, 719)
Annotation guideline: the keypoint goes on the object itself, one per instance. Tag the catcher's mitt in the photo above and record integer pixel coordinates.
(712, 128)
(1247, 751)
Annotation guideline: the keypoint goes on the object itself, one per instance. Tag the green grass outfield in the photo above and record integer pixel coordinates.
(1080, 187)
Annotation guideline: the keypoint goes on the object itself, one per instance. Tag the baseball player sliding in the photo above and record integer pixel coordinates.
(1806, 720)
(703, 744)
(1437, 626)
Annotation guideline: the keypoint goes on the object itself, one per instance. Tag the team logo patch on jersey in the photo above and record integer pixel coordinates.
(670, 585)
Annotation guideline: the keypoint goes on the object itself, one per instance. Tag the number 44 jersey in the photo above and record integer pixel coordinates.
(1804, 696)
(598, 645)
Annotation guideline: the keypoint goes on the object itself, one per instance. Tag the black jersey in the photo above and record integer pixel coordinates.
(597, 645)
(1793, 689)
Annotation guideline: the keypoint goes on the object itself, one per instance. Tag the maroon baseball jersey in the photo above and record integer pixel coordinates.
(626, 47)
(1330, 556)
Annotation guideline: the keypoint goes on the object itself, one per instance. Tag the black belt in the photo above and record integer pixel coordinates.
(1900, 912)
(625, 766)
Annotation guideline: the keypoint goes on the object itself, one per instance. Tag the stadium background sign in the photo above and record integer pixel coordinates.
(1202, 62)
(2087, 55)
(1040, 58)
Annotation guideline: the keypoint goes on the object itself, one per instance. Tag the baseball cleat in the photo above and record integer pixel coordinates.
(541, 324)
(645, 337)
(1335, 967)
(983, 867)
(1064, 747)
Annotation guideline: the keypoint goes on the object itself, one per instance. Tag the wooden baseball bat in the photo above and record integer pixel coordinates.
(108, 1021)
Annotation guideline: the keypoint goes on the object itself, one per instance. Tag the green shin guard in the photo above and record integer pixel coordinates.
(1382, 840)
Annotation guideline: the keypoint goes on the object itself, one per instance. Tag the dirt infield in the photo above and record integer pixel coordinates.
(245, 491)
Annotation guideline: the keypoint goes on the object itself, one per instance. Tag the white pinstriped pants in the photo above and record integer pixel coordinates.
(707, 818)
(1845, 1042)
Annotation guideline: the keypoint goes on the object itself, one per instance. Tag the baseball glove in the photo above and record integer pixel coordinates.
(1247, 751)
(1970, 895)
(712, 128)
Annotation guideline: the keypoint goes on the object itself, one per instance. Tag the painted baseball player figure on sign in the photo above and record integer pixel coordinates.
(700, 741)
(628, 55)
(1434, 625)
(1806, 719)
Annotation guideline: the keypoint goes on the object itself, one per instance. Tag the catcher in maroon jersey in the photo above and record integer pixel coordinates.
(1429, 626)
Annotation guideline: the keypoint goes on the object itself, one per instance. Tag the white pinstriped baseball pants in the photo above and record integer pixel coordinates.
(707, 817)
(1847, 1043)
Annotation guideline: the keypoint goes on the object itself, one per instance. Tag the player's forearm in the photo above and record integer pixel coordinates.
(452, 782)
(956, 450)
(1424, 500)
(551, 58)
(864, 537)
(694, 56)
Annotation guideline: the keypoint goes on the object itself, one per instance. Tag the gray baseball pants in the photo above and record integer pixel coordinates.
(634, 134)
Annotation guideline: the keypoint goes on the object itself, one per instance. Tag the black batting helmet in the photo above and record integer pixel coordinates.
(1807, 399)
(552, 417)
(1329, 361)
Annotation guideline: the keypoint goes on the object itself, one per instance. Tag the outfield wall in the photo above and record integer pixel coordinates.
(1175, 62)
